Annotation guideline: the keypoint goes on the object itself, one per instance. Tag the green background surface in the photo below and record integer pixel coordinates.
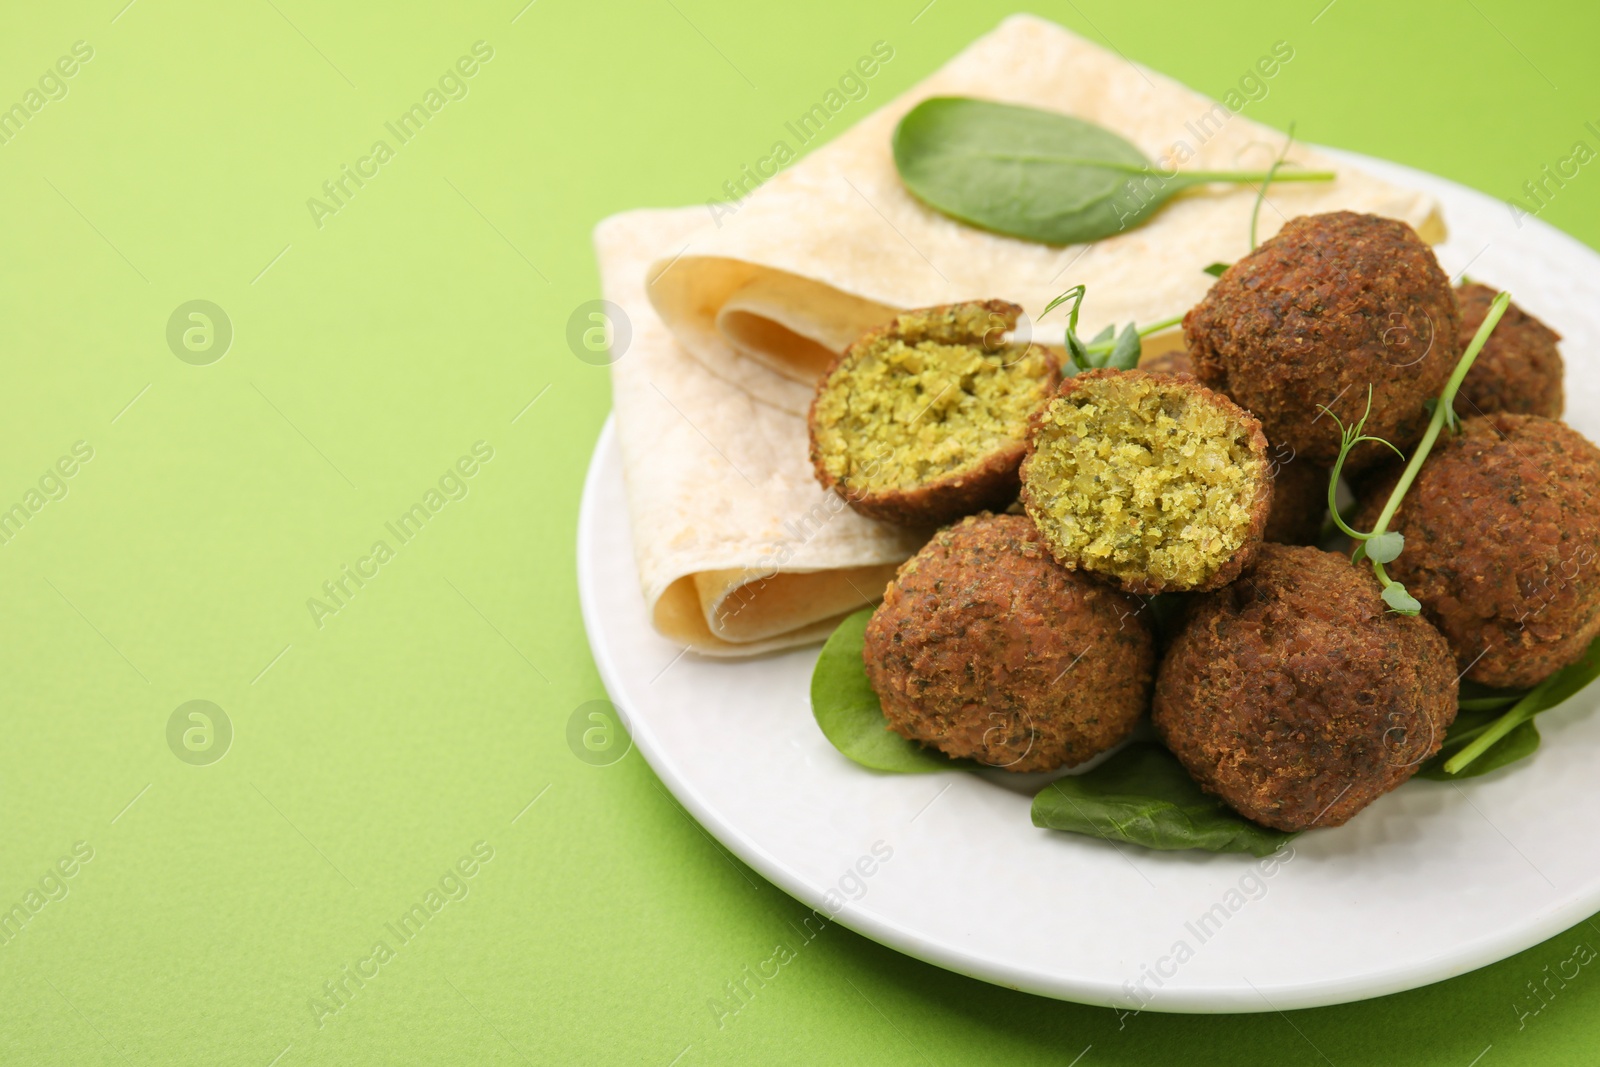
(371, 754)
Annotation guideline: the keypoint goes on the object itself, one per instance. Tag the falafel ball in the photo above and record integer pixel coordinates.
(1297, 697)
(924, 420)
(985, 647)
(1150, 481)
(1330, 306)
(1502, 530)
(1519, 369)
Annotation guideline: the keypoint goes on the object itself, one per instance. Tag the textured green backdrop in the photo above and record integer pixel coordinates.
(184, 911)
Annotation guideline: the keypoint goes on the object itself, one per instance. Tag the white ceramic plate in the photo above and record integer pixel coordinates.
(1431, 881)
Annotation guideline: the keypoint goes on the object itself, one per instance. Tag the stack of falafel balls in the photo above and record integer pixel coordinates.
(1023, 634)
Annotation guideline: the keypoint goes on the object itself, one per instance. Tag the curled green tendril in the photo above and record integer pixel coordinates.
(1380, 545)
(1108, 348)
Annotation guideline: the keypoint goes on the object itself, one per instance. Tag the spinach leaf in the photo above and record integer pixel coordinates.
(1478, 697)
(1568, 681)
(847, 710)
(1556, 689)
(1035, 174)
(1142, 795)
(1520, 743)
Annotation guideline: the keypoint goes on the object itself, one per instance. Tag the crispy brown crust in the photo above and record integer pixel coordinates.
(1297, 697)
(985, 648)
(1502, 530)
(1520, 367)
(1331, 304)
(1259, 512)
(991, 484)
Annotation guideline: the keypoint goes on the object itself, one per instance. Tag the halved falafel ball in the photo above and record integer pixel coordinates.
(985, 647)
(1502, 530)
(1299, 487)
(1150, 481)
(1297, 696)
(924, 420)
(1519, 369)
(1332, 304)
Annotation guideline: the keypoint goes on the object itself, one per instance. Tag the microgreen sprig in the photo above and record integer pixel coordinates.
(1383, 545)
(1108, 348)
(1379, 546)
(1261, 193)
(1217, 270)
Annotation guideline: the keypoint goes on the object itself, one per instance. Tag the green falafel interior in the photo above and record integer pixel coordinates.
(1146, 479)
(931, 396)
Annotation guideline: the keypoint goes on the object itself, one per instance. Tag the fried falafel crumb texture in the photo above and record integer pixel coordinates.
(1133, 477)
(896, 415)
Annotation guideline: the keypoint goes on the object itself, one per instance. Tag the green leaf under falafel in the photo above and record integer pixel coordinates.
(1143, 796)
(1490, 741)
(1519, 744)
(847, 709)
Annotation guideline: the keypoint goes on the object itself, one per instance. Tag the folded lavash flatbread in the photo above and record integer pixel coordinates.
(835, 244)
(733, 317)
(739, 549)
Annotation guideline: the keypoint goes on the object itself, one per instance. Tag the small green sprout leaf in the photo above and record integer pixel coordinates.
(1217, 270)
(1452, 421)
(1125, 353)
(1384, 547)
(1400, 601)
(1108, 348)
(1077, 351)
(1074, 294)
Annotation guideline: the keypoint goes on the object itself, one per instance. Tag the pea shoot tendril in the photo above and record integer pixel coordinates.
(1108, 348)
(1382, 545)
